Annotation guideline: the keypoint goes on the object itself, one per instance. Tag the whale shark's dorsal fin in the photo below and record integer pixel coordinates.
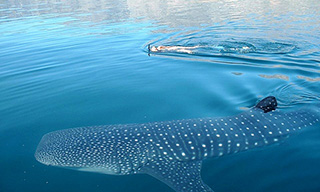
(179, 175)
(267, 104)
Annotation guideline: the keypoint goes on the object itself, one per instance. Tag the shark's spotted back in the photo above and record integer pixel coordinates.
(171, 151)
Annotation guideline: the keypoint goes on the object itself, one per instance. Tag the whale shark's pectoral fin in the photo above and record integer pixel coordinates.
(267, 104)
(182, 176)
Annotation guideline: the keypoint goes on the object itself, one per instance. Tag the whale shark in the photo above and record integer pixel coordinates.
(171, 151)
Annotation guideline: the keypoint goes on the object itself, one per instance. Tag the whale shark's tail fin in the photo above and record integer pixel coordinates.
(267, 104)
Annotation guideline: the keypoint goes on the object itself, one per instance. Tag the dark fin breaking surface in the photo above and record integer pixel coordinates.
(182, 176)
(267, 104)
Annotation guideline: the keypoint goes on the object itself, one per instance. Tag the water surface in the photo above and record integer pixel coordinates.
(73, 63)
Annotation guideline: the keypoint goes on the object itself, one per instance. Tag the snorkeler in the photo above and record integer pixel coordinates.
(162, 48)
(191, 49)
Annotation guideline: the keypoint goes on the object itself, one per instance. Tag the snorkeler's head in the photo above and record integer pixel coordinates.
(154, 49)
(159, 48)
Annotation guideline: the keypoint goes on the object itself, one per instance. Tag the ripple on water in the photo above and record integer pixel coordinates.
(236, 47)
(253, 51)
(199, 46)
(275, 48)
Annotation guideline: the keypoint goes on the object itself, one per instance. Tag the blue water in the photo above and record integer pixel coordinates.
(73, 63)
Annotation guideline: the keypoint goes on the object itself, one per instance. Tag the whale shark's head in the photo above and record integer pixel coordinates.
(92, 149)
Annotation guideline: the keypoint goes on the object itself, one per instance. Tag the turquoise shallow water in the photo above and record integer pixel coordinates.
(81, 63)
